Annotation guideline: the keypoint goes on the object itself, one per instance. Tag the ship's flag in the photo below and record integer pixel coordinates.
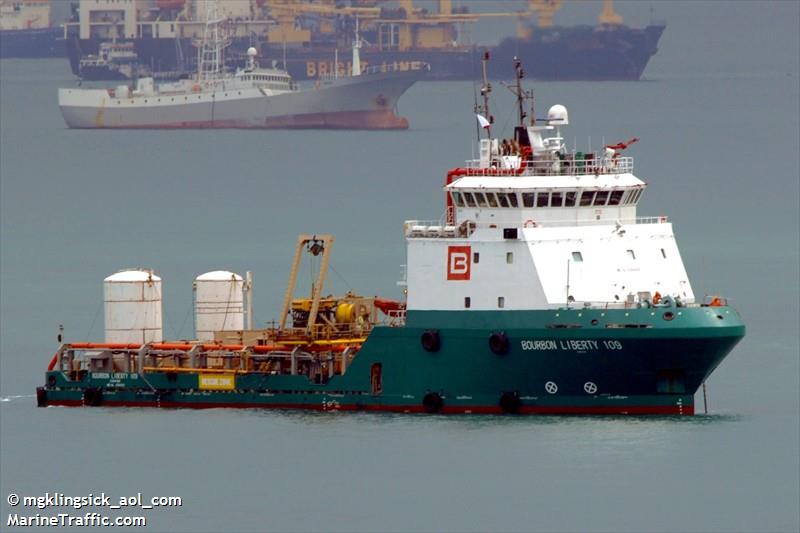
(483, 121)
(622, 145)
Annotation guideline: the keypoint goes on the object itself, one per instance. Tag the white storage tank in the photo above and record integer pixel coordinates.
(218, 303)
(133, 306)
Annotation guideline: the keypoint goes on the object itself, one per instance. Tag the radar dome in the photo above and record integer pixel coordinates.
(252, 52)
(557, 116)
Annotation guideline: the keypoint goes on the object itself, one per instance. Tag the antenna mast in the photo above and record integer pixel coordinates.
(521, 94)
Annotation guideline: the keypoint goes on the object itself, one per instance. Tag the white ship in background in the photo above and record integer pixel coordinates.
(253, 97)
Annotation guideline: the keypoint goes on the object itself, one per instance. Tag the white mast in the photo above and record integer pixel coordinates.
(356, 53)
(209, 59)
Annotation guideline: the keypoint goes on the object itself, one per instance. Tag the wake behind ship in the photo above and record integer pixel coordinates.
(539, 290)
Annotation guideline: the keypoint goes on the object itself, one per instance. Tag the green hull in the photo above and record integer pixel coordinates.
(581, 361)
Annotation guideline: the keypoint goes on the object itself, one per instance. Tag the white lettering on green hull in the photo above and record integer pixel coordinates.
(569, 345)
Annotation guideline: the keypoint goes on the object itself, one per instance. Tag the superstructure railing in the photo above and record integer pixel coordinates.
(436, 229)
(569, 165)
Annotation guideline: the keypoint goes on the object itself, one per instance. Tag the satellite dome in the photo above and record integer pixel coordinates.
(557, 116)
(252, 52)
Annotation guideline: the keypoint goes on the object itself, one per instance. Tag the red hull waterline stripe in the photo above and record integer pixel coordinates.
(350, 120)
(488, 410)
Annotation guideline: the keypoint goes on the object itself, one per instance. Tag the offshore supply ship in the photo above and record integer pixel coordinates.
(253, 97)
(26, 30)
(306, 37)
(539, 290)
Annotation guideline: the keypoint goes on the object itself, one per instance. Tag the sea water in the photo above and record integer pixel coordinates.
(717, 119)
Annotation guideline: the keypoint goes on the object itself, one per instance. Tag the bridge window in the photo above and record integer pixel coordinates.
(601, 198)
(503, 198)
(631, 254)
(527, 199)
(542, 199)
(490, 198)
(457, 199)
(577, 257)
(569, 199)
(615, 198)
(480, 199)
(633, 197)
(470, 201)
(587, 198)
(512, 198)
(556, 199)
(626, 197)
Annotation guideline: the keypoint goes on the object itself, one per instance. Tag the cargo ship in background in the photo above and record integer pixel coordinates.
(539, 291)
(305, 37)
(26, 30)
(252, 97)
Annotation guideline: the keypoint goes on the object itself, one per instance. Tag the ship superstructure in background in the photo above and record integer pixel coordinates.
(26, 30)
(253, 97)
(539, 290)
(114, 61)
(308, 36)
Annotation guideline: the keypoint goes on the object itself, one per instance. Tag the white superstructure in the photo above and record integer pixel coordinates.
(532, 226)
(132, 301)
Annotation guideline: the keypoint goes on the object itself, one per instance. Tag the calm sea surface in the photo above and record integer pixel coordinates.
(718, 123)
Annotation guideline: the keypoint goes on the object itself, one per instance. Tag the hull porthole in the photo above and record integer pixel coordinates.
(432, 402)
(51, 381)
(510, 402)
(498, 343)
(430, 341)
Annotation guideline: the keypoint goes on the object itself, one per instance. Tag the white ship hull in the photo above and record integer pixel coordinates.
(361, 102)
